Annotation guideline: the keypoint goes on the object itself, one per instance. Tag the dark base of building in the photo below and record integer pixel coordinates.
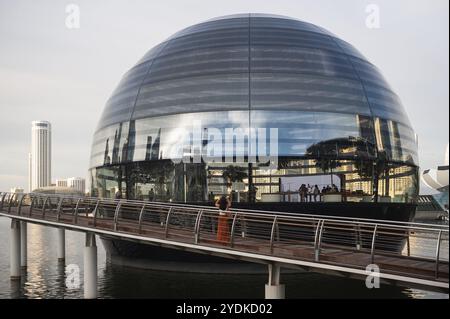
(130, 254)
(126, 253)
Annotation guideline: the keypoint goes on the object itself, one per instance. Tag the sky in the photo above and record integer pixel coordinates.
(65, 75)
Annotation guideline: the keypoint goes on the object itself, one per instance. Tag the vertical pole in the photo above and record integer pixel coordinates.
(61, 244)
(273, 289)
(90, 267)
(15, 249)
(185, 182)
(23, 245)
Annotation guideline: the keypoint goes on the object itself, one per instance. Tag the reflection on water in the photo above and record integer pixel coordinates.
(45, 277)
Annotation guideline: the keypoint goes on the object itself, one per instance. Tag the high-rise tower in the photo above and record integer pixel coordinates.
(41, 154)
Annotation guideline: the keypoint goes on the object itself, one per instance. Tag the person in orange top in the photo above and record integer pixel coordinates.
(223, 229)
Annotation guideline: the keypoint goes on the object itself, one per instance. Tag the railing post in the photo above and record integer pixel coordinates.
(272, 234)
(317, 239)
(319, 244)
(408, 245)
(438, 249)
(19, 209)
(141, 215)
(95, 213)
(58, 212)
(116, 215)
(166, 231)
(233, 226)
(243, 226)
(372, 248)
(43, 207)
(358, 237)
(75, 214)
(10, 202)
(3, 199)
(31, 205)
(197, 226)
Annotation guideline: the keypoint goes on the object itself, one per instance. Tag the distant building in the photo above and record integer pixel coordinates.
(77, 183)
(61, 182)
(17, 190)
(41, 153)
(58, 190)
(437, 178)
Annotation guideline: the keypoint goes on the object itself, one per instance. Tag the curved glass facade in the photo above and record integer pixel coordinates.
(324, 100)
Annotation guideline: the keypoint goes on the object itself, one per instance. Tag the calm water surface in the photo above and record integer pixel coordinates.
(45, 277)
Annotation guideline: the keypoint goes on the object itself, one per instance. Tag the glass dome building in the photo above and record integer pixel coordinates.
(334, 120)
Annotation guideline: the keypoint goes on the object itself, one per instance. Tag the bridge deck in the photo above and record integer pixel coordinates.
(302, 248)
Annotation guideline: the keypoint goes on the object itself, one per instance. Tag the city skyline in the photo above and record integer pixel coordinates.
(71, 77)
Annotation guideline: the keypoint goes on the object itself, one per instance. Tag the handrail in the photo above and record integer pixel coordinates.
(300, 217)
(262, 212)
(326, 234)
(358, 227)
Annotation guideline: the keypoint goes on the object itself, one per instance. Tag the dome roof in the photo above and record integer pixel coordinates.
(252, 62)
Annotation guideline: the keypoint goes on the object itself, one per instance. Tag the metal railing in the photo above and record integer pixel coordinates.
(301, 236)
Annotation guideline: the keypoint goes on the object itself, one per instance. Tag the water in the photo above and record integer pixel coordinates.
(45, 277)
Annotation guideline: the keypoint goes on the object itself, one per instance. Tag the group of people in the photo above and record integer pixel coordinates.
(309, 193)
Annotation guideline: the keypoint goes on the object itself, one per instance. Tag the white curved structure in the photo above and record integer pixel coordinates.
(437, 178)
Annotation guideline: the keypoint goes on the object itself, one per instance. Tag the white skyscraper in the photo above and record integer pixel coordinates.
(41, 154)
(78, 183)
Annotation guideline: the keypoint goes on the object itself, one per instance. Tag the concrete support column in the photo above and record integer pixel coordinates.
(15, 249)
(90, 267)
(23, 245)
(61, 244)
(273, 289)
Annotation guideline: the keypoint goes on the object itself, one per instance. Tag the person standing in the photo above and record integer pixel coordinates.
(151, 195)
(223, 230)
(309, 193)
(316, 192)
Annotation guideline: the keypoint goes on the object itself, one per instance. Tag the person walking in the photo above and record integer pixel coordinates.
(223, 230)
